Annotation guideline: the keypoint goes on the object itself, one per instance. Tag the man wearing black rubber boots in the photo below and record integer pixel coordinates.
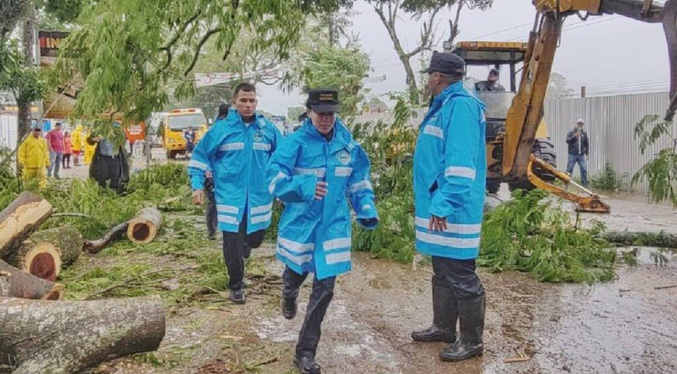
(449, 190)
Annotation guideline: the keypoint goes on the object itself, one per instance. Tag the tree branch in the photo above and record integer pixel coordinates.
(426, 36)
(202, 42)
(168, 47)
(453, 27)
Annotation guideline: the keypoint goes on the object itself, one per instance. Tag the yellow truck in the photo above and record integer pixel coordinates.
(173, 126)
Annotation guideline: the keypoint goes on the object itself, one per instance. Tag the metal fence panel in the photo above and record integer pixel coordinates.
(610, 122)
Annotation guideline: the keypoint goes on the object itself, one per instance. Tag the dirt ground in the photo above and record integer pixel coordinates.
(628, 325)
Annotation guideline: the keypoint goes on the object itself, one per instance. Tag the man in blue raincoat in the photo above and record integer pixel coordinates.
(449, 189)
(235, 152)
(315, 172)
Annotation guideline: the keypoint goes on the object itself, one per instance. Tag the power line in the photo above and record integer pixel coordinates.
(576, 26)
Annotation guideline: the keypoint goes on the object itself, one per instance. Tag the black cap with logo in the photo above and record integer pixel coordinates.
(446, 63)
(323, 100)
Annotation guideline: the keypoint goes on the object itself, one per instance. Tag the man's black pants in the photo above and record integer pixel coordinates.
(107, 169)
(323, 292)
(458, 275)
(233, 251)
(211, 214)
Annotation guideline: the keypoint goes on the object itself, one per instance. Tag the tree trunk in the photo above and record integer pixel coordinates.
(144, 227)
(20, 219)
(116, 233)
(47, 251)
(68, 336)
(16, 283)
(24, 120)
(642, 239)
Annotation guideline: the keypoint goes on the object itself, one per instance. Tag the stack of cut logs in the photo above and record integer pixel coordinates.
(41, 334)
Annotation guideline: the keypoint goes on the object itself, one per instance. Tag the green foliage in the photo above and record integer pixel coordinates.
(609, 179)
(661, 172)
(160, 185)
(10, 13)
(390, 150)
(127, 52)
(25, 83)
(319, 67)
(395, 235)
(528, 234)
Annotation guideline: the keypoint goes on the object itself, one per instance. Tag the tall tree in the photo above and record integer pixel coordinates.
(127, 52)
(389, 12)
(558, 87)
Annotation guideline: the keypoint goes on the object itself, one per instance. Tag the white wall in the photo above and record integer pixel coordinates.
(8, 130)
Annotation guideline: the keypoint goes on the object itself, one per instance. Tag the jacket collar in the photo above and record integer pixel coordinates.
(342, 136)
(455, 90)
(234, 118)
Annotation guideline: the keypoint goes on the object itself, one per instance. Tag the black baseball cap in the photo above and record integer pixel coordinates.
(323, 100)
(446, 63)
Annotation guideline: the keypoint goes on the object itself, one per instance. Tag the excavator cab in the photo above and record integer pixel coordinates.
(542, 168)
(507, 57)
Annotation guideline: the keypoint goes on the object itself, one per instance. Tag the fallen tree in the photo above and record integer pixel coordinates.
(16, 283)
(68, 336)
(642, 239)
(23, 216)
(45, 252)
(144, 227)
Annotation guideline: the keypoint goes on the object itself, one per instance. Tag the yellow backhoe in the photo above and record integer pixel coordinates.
(518, 150)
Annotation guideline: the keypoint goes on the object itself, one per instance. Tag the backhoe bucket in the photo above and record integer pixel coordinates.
(587, 204)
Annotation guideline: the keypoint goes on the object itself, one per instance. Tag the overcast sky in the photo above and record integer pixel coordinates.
(607, 54)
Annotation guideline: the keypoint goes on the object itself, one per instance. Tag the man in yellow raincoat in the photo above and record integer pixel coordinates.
(34, 158)
(89, 150)
(77, 141)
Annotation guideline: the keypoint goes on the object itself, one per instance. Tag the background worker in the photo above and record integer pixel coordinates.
(56, 147)
(492, 83)
(33, 155)
(211, 215)
(579, 151)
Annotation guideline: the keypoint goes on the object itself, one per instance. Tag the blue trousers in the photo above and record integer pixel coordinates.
(580, 160)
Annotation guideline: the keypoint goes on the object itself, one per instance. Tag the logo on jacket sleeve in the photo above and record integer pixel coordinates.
(258, 136)
(343, 157)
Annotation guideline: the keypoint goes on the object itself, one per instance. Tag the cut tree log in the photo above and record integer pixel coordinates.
(16, 283)
(116, 233)
(20, 219)
(144, 227)
(642, 239)
(69, 336)
(47, 251)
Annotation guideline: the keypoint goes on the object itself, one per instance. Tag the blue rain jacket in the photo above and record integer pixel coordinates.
(450, 174)
(314, 235)
(237, 156)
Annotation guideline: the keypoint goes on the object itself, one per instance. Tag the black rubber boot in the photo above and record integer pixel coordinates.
(307, 364)
(237, 296)
(470, 344)
(445, 314)
(289, 307)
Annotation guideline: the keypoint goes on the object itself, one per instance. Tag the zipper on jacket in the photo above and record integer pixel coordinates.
(250, 155)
